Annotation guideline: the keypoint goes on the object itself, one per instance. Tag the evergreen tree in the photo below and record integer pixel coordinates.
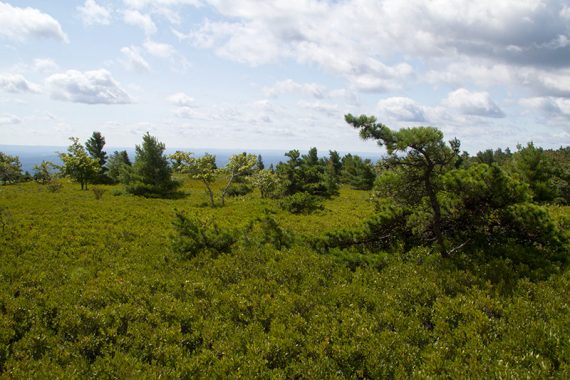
(151, 175)
(259, 165)
(117, 164)
(94, 146)
(419, 156)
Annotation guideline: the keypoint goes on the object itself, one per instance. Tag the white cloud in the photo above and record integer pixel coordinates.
(551, 107)
(44, 65)
(92, 13)
(89, 87)
(329, 109)
(158, 49)
(139, 4)
(134, 59)
(143, 21)
(16, 83)
(181, 99)
(289, 85)
(22, 23)
(366, 41)
(185, 107)
(402, 109)
(7, 119)
(473, 103)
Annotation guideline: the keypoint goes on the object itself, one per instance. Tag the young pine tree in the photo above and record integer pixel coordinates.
(151, 175)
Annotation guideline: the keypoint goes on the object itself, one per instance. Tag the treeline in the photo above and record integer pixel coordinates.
(301, 181)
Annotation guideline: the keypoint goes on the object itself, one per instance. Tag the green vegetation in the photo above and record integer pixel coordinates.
(10, 168)
(150, 175)
(78, 165)
(305, 277)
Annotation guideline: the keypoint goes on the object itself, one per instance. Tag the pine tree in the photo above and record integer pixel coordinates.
(151, 175)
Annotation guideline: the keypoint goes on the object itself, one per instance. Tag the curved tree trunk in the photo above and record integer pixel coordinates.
(436, 213)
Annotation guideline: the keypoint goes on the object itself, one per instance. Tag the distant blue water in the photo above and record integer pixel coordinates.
(33, 155)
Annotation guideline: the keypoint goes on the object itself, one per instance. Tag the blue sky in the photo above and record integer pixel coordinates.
(281, 74)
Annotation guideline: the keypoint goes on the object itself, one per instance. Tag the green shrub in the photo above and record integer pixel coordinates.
(301, 203)
(238, 190)
(98, 192)
(194, 236)
(266, 230)
(54, 186)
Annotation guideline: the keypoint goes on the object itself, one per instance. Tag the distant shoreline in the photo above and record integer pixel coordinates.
(31, 155)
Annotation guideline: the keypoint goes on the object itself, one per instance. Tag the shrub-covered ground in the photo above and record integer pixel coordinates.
(91, 288)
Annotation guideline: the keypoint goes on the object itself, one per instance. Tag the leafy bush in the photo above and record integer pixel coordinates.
(54, 186)
(194, 236)
(266, 230)
(238, 190)
(98, 192)
(301, 203)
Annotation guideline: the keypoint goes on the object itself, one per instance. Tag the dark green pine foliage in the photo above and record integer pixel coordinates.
(151, 175)
(358, 173)
(94, 146)
(117, 164)
(307, 174)
(259, 165)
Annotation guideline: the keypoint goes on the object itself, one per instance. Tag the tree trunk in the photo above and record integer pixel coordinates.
(211, 194)
(436, 213)
(226, 188)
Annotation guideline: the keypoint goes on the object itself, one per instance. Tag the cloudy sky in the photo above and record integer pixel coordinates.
(278, 74)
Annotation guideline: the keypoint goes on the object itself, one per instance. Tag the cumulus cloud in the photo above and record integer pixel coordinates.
(181, 99)
(473, 103)
(89, 87)
(402, 109)
(92, 13)
(16, 83)
(23, 23)
(134, 61)
(551, 107)
(8, 119)
(139, 4)
(44, 65)
(158, 49)
(496, 38)
(289, 85)
(185, 107)
(143, 21)
(326, 108)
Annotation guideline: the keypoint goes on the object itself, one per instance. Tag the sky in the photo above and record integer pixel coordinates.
(278, 74)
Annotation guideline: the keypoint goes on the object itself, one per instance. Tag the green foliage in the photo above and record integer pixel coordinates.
(194, 236)
(118, 164)
(94, 146)
(150, 175)
(307, 174)
(358, 173)
(301, 203)
(267, 182)
(10, 168)
(78, 165)
(265, 230)
(203, 169)
(44, 172)
(536, 169)
(92, 289)
(98, 193)
(486, 207)
(239, 166)
(421, 156)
